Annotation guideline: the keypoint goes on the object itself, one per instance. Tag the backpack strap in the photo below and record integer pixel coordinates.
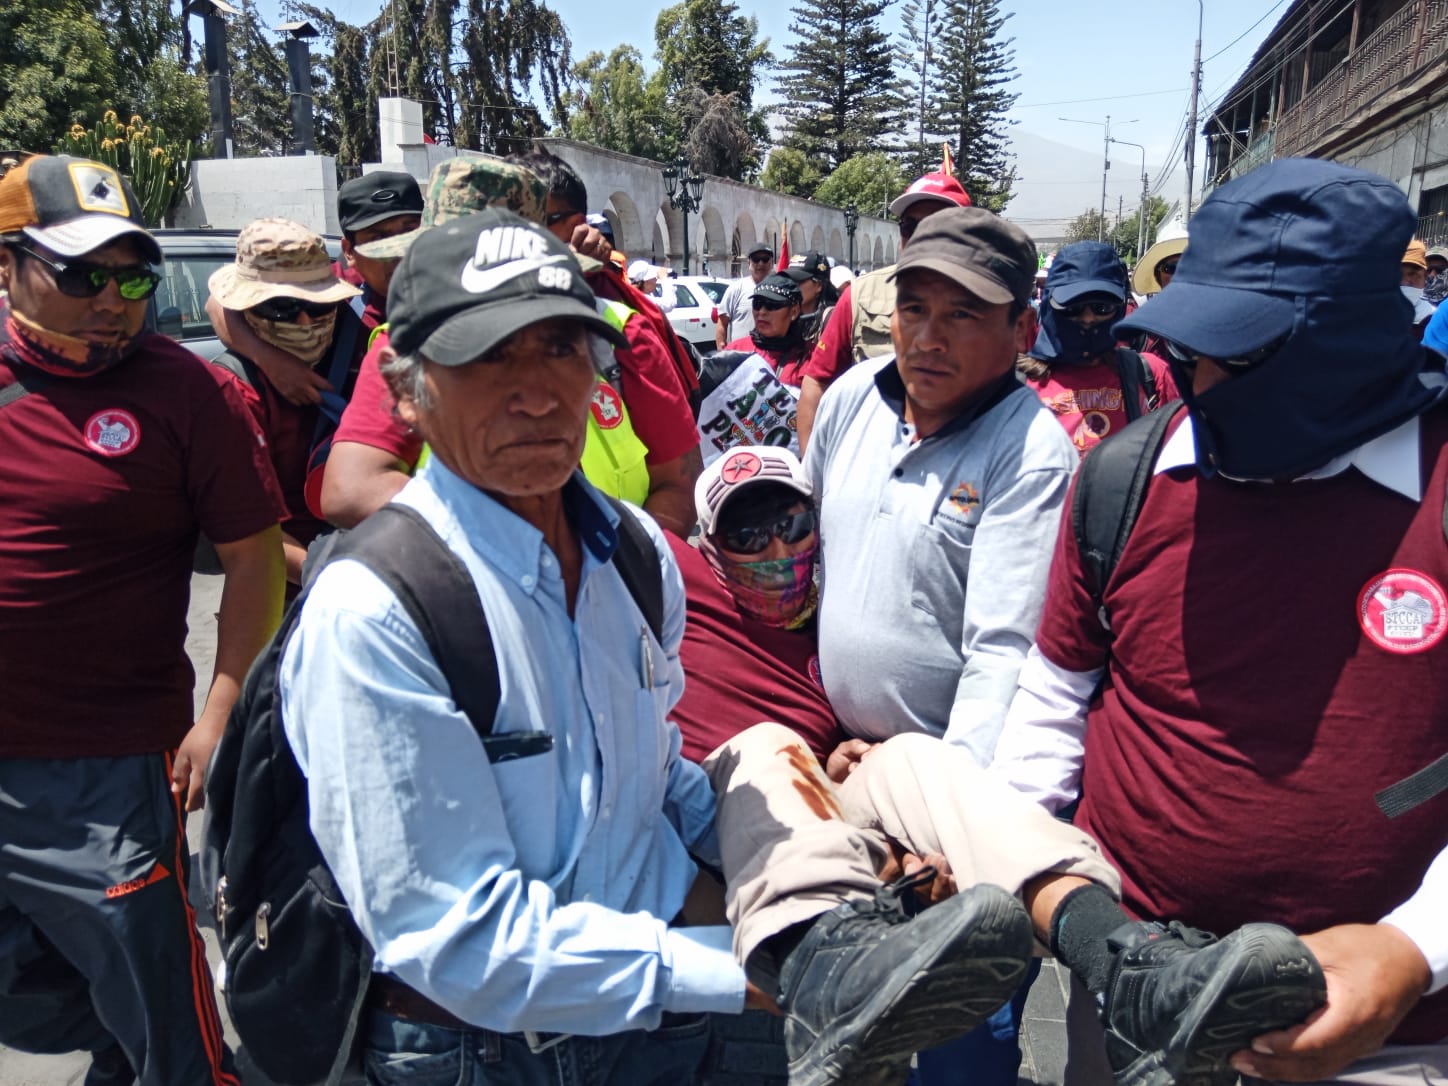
(431, 582)
(1109, 491)
(26, 381)
(637, 561)
(1137, 383)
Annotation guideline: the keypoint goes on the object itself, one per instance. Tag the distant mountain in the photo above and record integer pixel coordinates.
(1057, 183)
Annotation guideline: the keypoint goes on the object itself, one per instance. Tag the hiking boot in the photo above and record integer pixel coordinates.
(1181, 1001)
(868, 986)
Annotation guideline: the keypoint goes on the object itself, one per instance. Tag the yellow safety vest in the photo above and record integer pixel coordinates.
(613, 455)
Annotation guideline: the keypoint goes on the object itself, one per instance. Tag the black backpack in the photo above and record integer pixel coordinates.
(1110, 488)
(1109, 492)
(297, 967)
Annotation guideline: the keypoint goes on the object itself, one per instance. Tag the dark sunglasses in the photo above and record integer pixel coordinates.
(1188, 357)
(751, 539)
(81, 280)
(1166, 269)
(764, 258)
(1080, 309)
(553, 218)
(287, 310)
(907, 228)
(760, 303)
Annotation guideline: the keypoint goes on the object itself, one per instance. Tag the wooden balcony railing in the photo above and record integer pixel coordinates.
(1412, 40)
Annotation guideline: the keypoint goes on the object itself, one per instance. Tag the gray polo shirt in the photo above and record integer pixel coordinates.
(934, 555)
(738, 306)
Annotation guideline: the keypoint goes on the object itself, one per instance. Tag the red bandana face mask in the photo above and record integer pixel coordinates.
(58, 354)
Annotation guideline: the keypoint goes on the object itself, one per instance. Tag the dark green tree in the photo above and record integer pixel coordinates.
(915, 57)
(711, 60)
(56, 69)
(615, 104)
(790, 171)
(148, 42)
(260, 105)
(839, 90)
(971, 75)
(869, 181)
(473, 66)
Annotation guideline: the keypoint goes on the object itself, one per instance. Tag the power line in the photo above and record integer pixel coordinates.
(1108, 98)
(1244, 33)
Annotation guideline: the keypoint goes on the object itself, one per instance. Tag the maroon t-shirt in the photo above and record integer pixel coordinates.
(107, 481)
(739, 672)
(1279, 658)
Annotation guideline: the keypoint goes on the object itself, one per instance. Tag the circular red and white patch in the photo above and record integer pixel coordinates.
(740, 466)
(814, 672)
(607, 408)
(1403, 611)
(113, 432)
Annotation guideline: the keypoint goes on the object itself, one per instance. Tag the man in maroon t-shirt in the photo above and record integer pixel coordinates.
(120, 447)
(793, 836)
(1237, 706)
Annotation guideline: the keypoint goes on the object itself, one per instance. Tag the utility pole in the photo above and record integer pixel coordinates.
(1192, 117)
(1105, 165)
(1141, 214)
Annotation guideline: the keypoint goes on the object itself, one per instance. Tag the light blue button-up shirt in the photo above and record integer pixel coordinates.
(536, 893)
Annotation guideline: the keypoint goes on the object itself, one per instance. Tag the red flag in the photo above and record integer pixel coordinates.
(784, 252)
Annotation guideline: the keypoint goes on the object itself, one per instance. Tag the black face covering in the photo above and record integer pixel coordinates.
(1064, 342)
(1337, 383)
(791, 340)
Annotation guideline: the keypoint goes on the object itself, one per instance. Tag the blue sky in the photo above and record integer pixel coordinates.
(1082, 59)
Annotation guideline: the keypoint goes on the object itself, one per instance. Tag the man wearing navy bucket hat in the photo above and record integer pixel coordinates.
(1274, 671)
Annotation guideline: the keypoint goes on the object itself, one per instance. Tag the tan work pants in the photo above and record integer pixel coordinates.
(795, 845)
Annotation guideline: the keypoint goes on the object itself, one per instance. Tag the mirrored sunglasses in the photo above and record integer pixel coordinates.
(1188, 357)
(287, 310)
(79, 279)
(1079, 309)
(751, 539)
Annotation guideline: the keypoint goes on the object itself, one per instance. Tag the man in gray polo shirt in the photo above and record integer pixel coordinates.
(940, 481)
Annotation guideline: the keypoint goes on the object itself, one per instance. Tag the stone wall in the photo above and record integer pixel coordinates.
(228, 193)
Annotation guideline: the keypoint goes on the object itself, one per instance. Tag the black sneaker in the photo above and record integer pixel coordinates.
(1181, 1001)
(868, 986)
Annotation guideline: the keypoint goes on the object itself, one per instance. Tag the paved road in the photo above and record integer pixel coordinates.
(1044, 1050)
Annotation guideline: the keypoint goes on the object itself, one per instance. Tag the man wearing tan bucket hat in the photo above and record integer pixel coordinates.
(120, 446)
(284, 287)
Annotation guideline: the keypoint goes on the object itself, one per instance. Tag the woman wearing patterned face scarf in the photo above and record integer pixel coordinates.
(283, 285)
(1093, 385)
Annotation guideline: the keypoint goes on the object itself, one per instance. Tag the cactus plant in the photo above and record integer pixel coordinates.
(158, 170)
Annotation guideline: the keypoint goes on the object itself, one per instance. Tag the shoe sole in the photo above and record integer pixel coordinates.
(1271, 982)
(958, 980)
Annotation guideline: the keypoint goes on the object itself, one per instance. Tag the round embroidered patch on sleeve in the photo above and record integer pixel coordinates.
(113, 432)
(606, 406)
(1403, 611)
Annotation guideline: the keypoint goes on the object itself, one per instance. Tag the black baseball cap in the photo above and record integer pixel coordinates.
(975, 249)
(466, 286)
(779, 289)
(815, 265)
(760, 247)
(376, 197)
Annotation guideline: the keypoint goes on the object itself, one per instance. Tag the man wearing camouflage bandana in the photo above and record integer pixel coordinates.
(375, 452)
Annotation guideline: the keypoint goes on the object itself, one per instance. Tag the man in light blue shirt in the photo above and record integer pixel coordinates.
(521, 910)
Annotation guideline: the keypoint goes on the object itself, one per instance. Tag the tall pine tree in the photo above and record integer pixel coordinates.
(972, 67)
(840, 94)
(915, 62)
